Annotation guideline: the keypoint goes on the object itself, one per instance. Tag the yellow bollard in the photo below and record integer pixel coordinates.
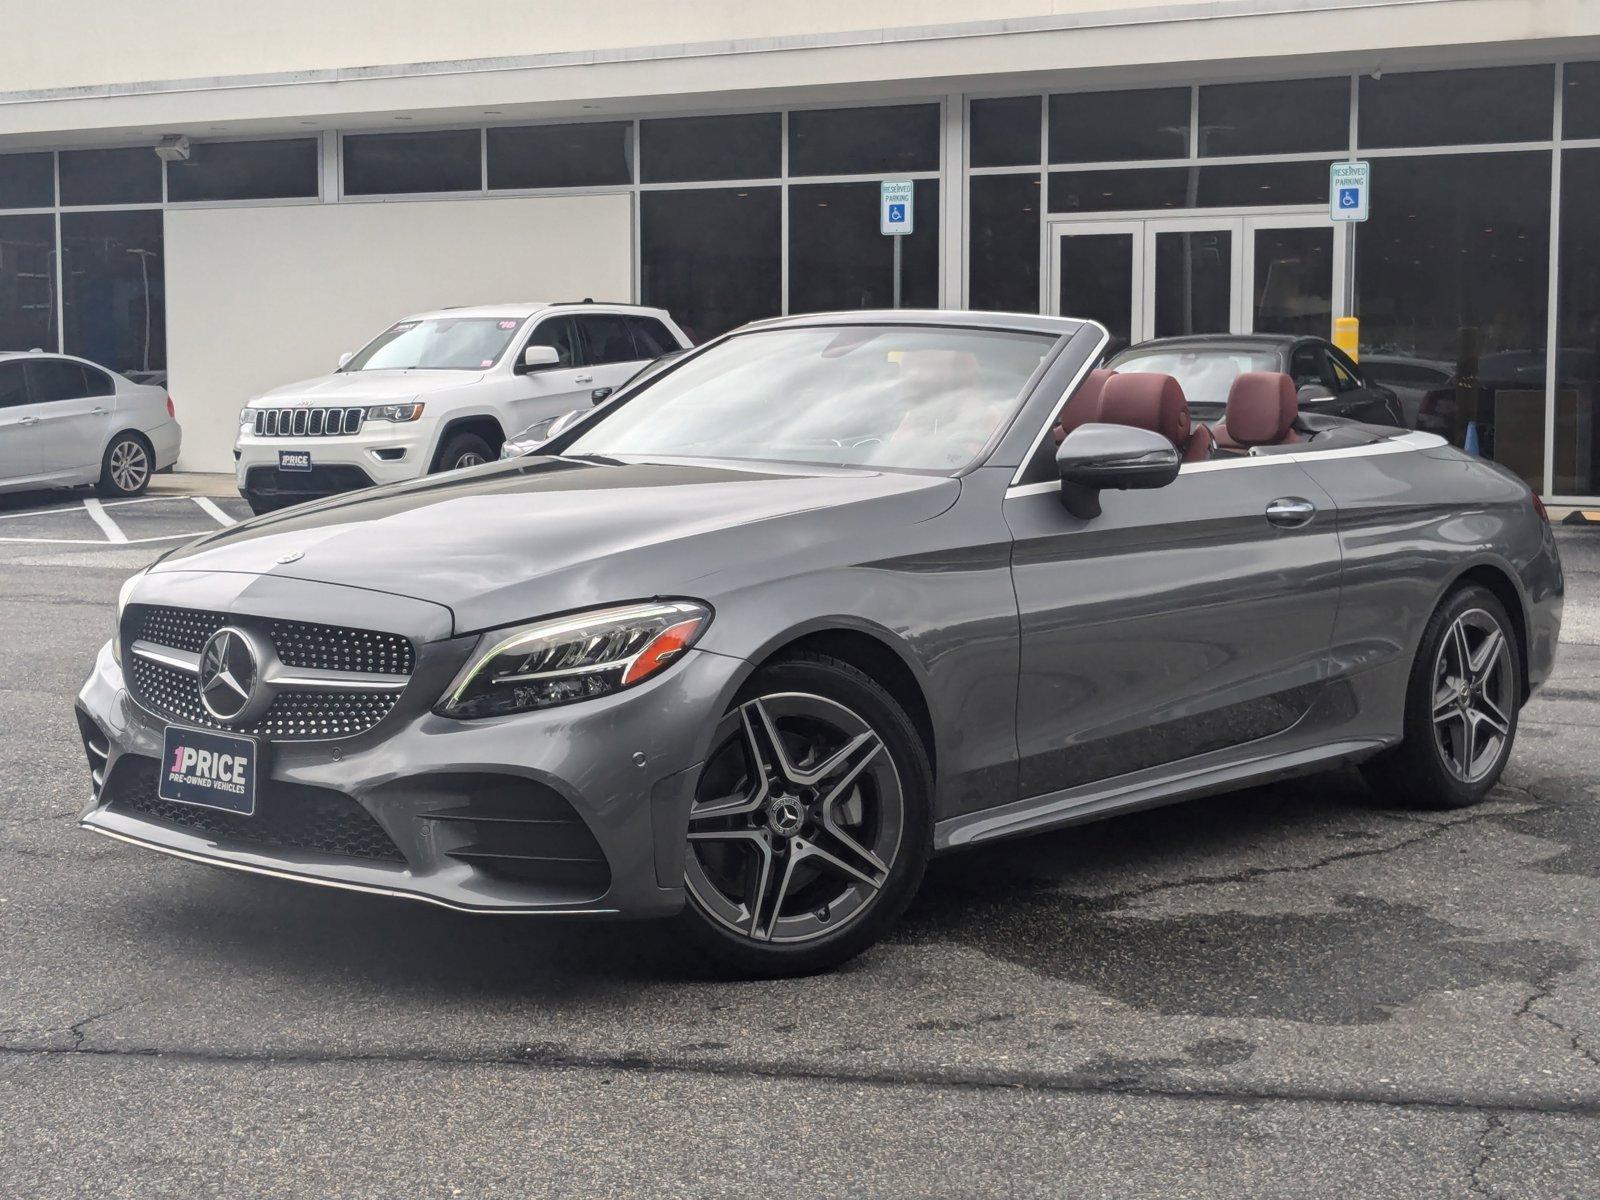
(1347, 336)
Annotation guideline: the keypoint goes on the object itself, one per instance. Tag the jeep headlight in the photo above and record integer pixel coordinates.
(577, 657)
(395, 412)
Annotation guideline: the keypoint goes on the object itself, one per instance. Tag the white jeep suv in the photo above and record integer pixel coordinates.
(437, 391)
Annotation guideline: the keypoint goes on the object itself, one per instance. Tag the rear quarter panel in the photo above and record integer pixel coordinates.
(1410, 525)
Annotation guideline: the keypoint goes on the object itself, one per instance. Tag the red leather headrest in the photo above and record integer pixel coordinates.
(1262, 406)
(1084, 404)
(1148, 401)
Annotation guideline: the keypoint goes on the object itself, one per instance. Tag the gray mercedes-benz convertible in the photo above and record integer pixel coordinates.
(749, 642)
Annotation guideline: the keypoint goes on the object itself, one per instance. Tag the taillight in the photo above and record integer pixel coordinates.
(1538, 507)
(171, 411)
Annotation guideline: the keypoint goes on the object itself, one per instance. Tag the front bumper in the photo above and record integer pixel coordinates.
(383, 452)
(442, 792)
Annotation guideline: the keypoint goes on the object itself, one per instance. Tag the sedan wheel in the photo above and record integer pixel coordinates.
(1461, 707)
(805, 838)
(125, 470)
(1473, 677)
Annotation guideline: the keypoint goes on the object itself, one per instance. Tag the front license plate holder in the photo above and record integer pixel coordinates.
(294, 460)
(209, 769)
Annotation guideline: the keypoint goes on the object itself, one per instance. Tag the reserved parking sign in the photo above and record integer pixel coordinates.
(1349, 190)
(895, 214)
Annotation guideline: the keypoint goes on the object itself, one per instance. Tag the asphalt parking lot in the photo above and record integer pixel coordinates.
(1286, 992)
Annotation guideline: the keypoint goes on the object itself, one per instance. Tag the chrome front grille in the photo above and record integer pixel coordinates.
(308, 422)
(335, 682)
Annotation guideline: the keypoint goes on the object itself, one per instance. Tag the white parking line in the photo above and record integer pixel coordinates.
(56, 512)
(221, 517)
(99, 517)
(127, 541)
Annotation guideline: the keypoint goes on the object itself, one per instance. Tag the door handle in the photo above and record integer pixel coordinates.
(583, 379)
(1290, 512)
(98, 412)
(28, 421)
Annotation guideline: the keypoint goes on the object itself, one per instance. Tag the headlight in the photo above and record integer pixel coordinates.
(122, 603)
(572, 658)
(394, 412)
(247, 420)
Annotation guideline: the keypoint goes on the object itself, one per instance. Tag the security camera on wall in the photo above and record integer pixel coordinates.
(173, 148)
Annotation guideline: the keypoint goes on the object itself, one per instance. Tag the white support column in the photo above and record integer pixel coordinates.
(953, 205)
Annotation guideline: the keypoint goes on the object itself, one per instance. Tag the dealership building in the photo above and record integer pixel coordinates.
(1162, 168)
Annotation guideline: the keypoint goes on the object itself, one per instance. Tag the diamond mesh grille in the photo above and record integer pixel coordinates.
(294, 715)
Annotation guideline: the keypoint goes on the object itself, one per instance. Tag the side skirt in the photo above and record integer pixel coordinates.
(1148, 789)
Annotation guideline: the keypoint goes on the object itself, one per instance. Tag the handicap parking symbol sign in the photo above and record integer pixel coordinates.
(897, 213)
(1349, 197)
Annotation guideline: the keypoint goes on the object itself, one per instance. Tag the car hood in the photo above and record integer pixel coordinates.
(365, 387)
(516, 540)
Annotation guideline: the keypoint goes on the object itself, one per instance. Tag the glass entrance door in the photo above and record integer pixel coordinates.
(1219, 273)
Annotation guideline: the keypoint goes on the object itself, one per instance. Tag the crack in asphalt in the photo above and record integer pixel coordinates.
(1543, 990)
(546, 1056)
(1434, 829)
(1493, 1125)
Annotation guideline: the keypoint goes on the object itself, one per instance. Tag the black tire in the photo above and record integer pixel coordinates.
(125, 467)
(899, 765)
(463, 450)
(1423, 771)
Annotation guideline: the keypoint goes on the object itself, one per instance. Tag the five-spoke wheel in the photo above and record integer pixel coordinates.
(810, 824)
(1461, 707)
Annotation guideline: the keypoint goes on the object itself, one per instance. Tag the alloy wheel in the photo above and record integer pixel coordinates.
(469, 458)
(797, 820)
(129, 465)
(1473, 678)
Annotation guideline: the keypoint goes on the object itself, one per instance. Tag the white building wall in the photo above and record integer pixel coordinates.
(258, 297)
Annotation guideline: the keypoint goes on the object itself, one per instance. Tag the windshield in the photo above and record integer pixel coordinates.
(907, 397)
(440, 344)
(1205, 375)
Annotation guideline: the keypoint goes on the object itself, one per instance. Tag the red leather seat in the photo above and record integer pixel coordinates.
(1156, 402)
(1082, 406)
(1262, 407)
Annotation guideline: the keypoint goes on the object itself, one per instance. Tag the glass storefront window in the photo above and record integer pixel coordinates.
(266, 170)
(1244, 184)
(114, 289)
(1580, 100)
(684, 149)
(127, 176)
(27, 180)
(557, 156)
(839, 260)
(28, 282)
(1275, 118)
(1293, 287)
(1003, 250)
(1452, 108)
(1451, 272)
(1113, 126)
(1005, 132)
(861, 141)
(1577, 413)
(1108, 191)
(712, 257)
(385, 164)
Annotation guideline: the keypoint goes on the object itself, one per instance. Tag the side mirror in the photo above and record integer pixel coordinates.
(1095, 456)
(600, 394)
(344, 358)
(563, 423)
(1313, 393)
(536, 358)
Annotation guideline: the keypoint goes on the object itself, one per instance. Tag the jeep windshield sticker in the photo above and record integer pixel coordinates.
(509, 324)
